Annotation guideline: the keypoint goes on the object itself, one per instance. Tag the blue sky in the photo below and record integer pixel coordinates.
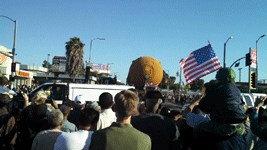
(167, 30)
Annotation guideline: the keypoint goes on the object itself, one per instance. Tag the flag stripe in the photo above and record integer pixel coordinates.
(203, 66)
(206, 70)
(200, 63)
(189, 82)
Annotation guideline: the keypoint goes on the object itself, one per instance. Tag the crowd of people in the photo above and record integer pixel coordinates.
(217, 119)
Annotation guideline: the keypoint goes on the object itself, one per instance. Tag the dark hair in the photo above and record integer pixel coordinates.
(105, 100)
(154, 94)
(262, 115)
(65, 109)
(3, 80)
(4, 100)
(88, 117)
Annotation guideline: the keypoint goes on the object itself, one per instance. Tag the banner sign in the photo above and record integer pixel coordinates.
(253, 54)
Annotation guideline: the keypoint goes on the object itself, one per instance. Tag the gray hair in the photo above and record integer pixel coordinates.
(39, 97)
(153, 104)
(55, 118)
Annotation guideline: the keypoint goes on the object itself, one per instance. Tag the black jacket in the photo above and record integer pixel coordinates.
(223, 102)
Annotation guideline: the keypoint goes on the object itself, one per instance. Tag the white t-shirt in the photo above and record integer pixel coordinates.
(106, 117)
(78, 140)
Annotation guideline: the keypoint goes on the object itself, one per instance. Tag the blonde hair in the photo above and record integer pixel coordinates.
(39, 97)
(126, 103)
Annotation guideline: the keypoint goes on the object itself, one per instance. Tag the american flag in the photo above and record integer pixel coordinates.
(199, 63)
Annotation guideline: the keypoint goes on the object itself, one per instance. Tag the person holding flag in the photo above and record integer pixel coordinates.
(224, 103)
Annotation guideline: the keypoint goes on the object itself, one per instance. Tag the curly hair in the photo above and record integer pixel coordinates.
(39, 97)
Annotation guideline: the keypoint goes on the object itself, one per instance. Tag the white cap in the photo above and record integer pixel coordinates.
(79, 100)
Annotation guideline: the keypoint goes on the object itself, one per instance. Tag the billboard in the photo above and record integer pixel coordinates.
(59, 64)
(100, 68)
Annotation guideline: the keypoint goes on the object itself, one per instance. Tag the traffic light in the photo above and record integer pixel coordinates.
(253, 80)
(248, 59)
(13, 67)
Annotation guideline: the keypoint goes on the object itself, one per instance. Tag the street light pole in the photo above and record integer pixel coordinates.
(239, 74)
(179, 99)
(47, 65)
(257, 60)
(14, 46)
(224, 64)
(91, 47)
(90, 56)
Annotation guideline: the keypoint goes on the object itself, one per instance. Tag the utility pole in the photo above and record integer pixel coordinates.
(239, 74)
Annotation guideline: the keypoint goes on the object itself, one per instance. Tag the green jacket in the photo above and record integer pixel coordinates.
(120, 137)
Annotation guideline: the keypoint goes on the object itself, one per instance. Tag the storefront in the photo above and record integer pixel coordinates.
(21, 77)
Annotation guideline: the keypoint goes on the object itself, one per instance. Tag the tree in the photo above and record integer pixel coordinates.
(197, 85)
(74, 54)
(45, 63)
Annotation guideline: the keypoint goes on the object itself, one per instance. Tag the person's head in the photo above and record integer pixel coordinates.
(55, 119)
(88, 119)
(125, 104)
(40, 112)
(65, 109)
(39, 98)
(105, 100)
(154, 99)
(263, 116)
(79, 102)
(3, 81)
(93, 105)
(4, 100)
(141, 107)
(226, 75)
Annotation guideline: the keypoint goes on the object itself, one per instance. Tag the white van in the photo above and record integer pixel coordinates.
(68, 91)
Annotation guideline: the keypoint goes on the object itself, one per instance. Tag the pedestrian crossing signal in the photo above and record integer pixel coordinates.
(253, 79)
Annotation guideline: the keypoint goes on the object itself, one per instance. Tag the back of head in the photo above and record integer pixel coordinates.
(65, 109)
(153, 101)
(55, 118)
(3, 80)
(105, 100)
(40, 97)
(88, 117)
(126, 104)
(4, 99)
(226, 75)
(79, 102)
(40, 111)
(262, 115)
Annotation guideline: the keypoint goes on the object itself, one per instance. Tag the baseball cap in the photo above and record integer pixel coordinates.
(79, 100)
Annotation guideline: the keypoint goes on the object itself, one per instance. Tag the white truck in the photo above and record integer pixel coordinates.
(250, 98)
(68, 91)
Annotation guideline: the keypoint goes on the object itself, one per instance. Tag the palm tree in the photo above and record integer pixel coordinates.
(74, 53)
